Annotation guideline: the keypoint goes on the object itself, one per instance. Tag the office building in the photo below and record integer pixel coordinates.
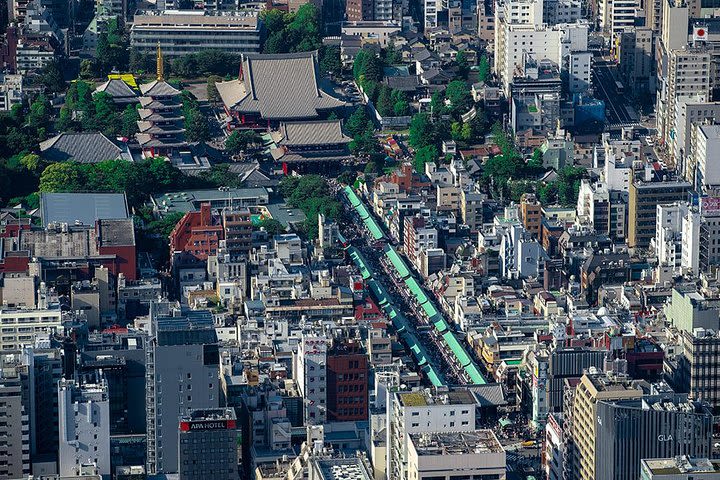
(689, 310)
(354, 468)
(347, 382)
(642, 207)
(15, 427)
(238, 228)
(20, 326)
(473, 454)
(617, 15)
(705, 141)
(687, 80)
(310, 364)
(208, 445)
(550, 368)
(182, 363)
(84, 425)
(668, 234)
(709, 237)
(684, 142)
(659, 424)
(188, 31)
(681, 467)
(530, 213)
(11, 91)
(419, 235)
(422, 412)
(697, 369)
(592, 390)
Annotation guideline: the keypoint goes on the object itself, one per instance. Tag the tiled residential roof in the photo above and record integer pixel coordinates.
(87, 147)
(321, 132)
(281, 86)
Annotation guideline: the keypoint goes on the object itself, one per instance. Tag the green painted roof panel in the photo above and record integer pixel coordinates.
(397, 262)
(457, 350)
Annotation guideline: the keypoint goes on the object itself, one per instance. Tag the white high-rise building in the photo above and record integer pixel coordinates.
(706, 151)
(422, 412)
(520, 33)
(690, 255)
(617, 15)
(687, 80)
(21, 325)
(84, 425)
(311, 373)
(668, 234)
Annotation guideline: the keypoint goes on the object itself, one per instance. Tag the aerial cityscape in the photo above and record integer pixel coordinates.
(360, 240)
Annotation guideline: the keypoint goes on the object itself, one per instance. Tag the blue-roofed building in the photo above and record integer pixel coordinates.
(82, 208)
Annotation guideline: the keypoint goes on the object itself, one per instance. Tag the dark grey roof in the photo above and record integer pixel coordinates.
(158, 88)
(88, 147)
(81, 207)
(405, 84)
(119, 90)
(283, 86)
(116, 232)
(489, 395)
(321, 132)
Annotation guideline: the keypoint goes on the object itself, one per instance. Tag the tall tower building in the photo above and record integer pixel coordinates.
(311, 374)
(84, 424)
(15, 427)
(183, 366)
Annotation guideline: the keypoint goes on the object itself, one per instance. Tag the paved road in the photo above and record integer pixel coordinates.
(618, 111)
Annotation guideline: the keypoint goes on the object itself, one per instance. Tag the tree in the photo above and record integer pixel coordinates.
(274, 20)
(51, 78)
(105, 118)
(483, 69)
(384, 102)
(400, 103)
(272, 226)
(330, 60)
(361, 59)
(372, 71)
(38, 119)
(88, 69)
(347, 178)
(130, 117)
(547, 193)
(140, 62)
(364, 144)
(568, 184)
(305, 26)
(462, 64)
(61, 177)
(425, 155)
(238, 141)
(358, 122)
(212, 91)
(458, 94)
(421, 131)
(32, 163)
(392, 56)
(437, 104)
(197, 128)
(112, 47)
(292, 32)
